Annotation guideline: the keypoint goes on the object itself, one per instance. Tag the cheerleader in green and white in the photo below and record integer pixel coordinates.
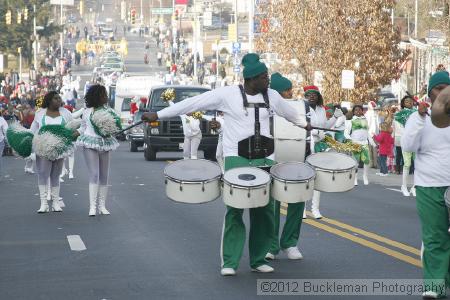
(48, 163)
(358, 132)
(400, 119)
(97, 140)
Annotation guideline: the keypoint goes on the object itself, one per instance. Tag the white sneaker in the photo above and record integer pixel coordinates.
(430, 295)
(316, 214)
(227, 272)
(71, 175)
(270, 256)
(413, 191)
(378, 173)
(61, 203)
(293, 253)
(405, 191)
(60, 179)
(263, 269)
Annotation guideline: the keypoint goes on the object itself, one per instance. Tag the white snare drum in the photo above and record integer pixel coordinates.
(246, 187)
(292, 182)
(193, 181)
(335, 172)
(287, 150)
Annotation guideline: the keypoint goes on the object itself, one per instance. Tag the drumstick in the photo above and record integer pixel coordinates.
(129, 127)
(321, 128)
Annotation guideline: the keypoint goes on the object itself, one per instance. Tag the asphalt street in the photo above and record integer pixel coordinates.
(153, 248)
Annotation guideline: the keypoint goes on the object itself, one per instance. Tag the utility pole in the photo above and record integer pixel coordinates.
(35, 38)
(62, 33)
(251, 25)
(416, 14)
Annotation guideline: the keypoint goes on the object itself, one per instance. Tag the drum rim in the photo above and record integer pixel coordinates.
(243, 186)
(333, 171)
(192, 203)
(217, 178)
(193, 181)
(293, 181)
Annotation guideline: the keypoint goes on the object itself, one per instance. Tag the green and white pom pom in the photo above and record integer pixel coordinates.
(54, 142)
(105, 122)
(73, 124)
(20, 139)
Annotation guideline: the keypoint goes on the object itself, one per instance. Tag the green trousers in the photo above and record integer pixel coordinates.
(433, 216)
(291, 229)
(261, 225)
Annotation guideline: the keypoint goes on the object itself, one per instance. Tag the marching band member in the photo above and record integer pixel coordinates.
(51, 114)
(400, 118)
(318, 119)
(291, 230)
(243, 107)
(431, 177)
(192, 136)
(358, 132)
(97, 148)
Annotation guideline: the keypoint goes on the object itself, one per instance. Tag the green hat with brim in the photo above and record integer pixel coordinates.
(280, 83)
(441, 77)
(252, 66)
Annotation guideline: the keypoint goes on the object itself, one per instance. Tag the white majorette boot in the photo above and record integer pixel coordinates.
(71, 163)
(93, 193)
(43, 196)
(315, 205)
(365, 174)
(102, 193)
(55, 199)
(404, 187)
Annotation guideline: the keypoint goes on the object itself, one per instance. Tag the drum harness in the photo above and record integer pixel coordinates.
(256, 146)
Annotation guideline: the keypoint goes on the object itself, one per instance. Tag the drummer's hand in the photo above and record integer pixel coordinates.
(75, 134)
(308, 126)
(423, 109)
(149, 116)
(214, 124)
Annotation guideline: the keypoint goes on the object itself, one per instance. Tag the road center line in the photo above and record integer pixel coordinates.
(395, 190)
(76, 243)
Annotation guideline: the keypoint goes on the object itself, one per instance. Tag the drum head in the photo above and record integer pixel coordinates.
(246, 177)
(331, 161)
(292, 171)
(192, 170)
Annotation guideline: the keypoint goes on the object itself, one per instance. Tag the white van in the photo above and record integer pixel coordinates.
(128, 88)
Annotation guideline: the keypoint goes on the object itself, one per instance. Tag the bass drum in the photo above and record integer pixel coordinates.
(290, 140)
(335, 172)
(193, 181)
(246, 187)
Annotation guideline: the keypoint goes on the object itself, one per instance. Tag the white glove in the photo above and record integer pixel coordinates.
(321, 135)
(338, 113)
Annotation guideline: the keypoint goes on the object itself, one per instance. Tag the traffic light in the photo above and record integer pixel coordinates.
(133, 16)
(8, 17)
(177, 14)
(25, 14)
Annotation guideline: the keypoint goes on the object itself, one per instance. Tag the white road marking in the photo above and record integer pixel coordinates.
(395, 190)
(76, 243)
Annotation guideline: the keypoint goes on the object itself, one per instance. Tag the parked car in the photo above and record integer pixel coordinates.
(167, 135)
(136, 134)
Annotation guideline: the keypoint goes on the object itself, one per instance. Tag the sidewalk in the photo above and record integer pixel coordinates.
(390, 180)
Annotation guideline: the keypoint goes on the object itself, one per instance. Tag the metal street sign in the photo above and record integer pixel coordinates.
(162, 11)
(348, 79)
(62, 2)
(236, 47)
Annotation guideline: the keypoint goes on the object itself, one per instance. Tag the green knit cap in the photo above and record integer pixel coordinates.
(279, 83)
(441, 77)
(252, 66)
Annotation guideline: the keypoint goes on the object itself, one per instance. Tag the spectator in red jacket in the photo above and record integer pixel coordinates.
(385, 143)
